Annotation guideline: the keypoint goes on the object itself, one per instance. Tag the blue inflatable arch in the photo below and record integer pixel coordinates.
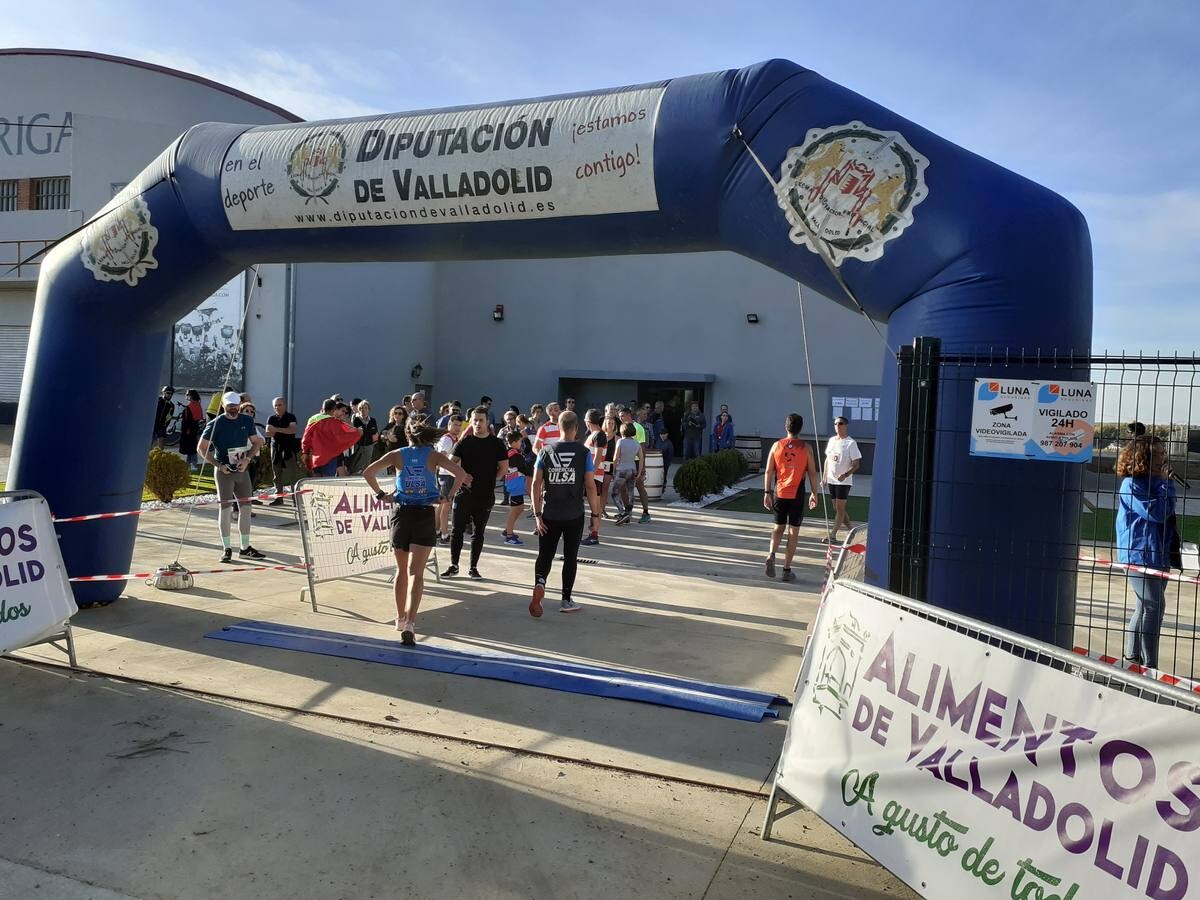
(932, 239)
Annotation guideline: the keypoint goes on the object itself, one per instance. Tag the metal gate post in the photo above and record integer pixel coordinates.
(912, 489)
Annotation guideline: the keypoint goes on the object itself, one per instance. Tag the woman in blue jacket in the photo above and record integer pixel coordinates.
(722, 433)
(1145, 511)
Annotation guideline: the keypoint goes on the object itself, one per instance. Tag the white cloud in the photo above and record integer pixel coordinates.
(271, 75)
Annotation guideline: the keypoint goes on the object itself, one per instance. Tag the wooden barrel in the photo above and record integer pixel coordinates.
(750, 446)
(656, 477)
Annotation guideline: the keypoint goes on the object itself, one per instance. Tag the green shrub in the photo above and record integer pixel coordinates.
(167, 474)
(743, 464)
(729, 465)
(695, 478)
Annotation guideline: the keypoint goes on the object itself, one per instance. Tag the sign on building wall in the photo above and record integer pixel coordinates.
(577, 156)
(972, 772)
(36, 133)
(208, 341)
(35, 596)
(1046, 420)
(859, 404)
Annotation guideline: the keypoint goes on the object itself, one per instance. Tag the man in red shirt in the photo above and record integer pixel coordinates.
(790, 460)
(327, 437)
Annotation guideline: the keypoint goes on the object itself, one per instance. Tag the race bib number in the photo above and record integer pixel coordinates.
(238, 455)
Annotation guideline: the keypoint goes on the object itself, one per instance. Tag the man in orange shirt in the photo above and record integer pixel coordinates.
(790, 460)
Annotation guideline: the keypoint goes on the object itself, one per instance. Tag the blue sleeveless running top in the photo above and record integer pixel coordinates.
(416, 483)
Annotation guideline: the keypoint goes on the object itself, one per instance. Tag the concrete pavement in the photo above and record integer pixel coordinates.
(238, 770)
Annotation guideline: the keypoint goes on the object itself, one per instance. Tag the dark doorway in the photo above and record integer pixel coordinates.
(677, 398)
(675, 395)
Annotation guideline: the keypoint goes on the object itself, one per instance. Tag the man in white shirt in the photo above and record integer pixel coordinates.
(842, 460)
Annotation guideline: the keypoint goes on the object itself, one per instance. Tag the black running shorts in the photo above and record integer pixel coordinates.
(789, 510)
(838, 491)
(413, 526)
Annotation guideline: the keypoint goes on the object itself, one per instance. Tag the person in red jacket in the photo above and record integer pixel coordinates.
(327, 437)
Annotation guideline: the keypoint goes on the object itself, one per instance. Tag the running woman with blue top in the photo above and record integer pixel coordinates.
(414, 531)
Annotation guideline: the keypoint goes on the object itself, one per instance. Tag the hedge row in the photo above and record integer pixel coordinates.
(709, 474)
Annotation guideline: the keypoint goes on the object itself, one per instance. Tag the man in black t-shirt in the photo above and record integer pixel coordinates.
(562, 477)
(485, 458)
(285, 448)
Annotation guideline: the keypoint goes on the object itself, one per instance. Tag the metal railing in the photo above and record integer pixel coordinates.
(1140, 686)
(13, 254)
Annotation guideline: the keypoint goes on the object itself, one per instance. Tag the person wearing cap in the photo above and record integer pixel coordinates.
(842, 460)
(163, 413)
(229, 442)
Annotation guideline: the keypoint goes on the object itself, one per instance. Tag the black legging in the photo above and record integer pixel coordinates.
(468, 509)
(571, 532)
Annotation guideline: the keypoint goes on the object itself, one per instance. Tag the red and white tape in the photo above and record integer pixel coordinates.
(175, 504)
(93, 516)
(238, 571)
(1164, 677)
(1140, 570)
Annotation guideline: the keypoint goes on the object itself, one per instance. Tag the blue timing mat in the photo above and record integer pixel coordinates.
(599, 681)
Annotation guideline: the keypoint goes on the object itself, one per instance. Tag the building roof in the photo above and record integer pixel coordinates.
(162, 70)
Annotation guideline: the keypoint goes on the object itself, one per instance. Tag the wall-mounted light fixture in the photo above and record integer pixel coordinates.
(498, 313)
(416, 372)
(751, 318)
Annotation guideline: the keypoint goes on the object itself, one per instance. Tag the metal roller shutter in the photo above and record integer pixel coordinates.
(14, 341)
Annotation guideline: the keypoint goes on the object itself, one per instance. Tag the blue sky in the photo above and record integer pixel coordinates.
(1099, 101)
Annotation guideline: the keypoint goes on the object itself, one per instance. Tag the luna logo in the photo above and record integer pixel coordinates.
(1066, 392)
(1012, 390)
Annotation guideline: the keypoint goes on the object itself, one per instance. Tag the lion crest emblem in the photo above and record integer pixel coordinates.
(119, 246)
(316, 165)
(851, 187)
